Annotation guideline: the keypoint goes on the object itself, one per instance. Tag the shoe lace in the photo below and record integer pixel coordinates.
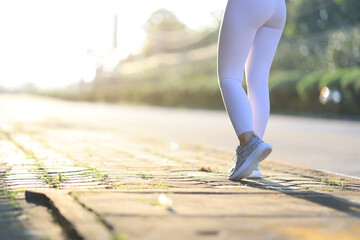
(234, 158)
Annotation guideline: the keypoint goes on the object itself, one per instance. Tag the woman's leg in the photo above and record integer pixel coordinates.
(242, 34)
(236, 38)
(257, 75)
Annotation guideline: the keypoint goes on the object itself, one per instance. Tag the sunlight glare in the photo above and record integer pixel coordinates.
(48, 42)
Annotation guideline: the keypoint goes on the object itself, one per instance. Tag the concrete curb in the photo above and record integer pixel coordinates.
(77, 222)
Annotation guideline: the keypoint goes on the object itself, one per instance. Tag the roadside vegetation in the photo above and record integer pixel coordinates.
(316, 69)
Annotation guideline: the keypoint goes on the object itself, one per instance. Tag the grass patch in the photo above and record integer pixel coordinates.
(144, 175)
(121, 236)
(11, 196)
(334, 182)
(307, 188)
(149, 184)
(95, 173)
(54, 180)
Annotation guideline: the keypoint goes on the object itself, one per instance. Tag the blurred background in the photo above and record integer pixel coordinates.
(164, 53)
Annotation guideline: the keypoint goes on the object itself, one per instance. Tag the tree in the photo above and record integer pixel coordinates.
(314, 16)
(163, 30)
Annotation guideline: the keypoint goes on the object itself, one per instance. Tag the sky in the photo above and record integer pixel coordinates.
(55, 43)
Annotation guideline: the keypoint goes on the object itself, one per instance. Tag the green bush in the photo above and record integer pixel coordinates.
(283, 95)
(351, 79)
(293, 92)
(350, 87)
(331, 79)
(307, 86)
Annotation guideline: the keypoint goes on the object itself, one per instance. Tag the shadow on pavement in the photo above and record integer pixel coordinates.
(10, 226)
(322, 199)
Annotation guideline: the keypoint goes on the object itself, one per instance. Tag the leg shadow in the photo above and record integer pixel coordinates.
(323, 199)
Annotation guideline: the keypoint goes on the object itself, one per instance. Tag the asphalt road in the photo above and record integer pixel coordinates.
(324, 144)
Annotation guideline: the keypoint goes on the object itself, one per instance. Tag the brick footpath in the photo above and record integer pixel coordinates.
(62, 181)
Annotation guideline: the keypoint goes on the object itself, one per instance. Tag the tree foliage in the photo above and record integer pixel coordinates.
(314, 16)
(162, 29)
(319, 49)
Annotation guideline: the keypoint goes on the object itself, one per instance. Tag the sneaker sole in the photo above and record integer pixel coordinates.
(258, 155)
(254, 175)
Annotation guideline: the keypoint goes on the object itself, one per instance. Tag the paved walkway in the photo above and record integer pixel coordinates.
(71, 181)
(309, 142)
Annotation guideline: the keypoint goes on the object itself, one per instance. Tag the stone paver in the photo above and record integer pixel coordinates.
(140, 187)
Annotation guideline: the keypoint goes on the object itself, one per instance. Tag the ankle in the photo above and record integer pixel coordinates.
(245, 137)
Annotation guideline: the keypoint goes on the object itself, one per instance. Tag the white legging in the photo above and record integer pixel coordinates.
(250, 33)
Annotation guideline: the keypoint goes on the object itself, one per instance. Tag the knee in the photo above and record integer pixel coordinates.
(226, 82)
(257, 79)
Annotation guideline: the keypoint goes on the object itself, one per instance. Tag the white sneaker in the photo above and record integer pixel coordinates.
(248, 157)
(256, 174)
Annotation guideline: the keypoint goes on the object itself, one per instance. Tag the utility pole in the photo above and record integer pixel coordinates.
(115, 32)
